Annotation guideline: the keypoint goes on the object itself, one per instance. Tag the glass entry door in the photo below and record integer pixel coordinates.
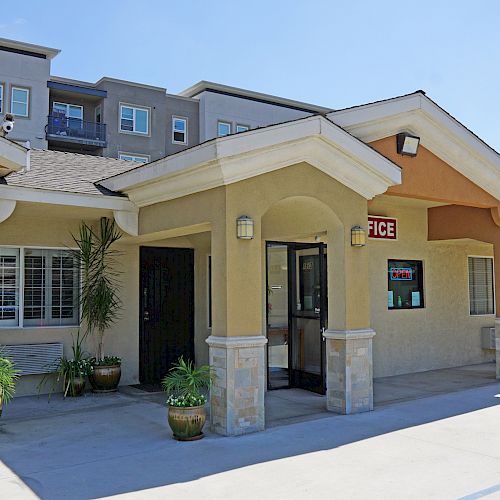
(297, 315)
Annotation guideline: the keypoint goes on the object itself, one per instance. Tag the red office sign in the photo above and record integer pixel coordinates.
(382, 228)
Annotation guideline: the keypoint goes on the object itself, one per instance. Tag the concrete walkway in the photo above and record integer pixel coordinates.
(443, 446)
(287, 406)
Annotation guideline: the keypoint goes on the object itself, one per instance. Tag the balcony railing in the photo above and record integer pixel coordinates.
(78, 131)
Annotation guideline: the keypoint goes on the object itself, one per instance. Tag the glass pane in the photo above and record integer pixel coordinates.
(141, 121)
(307, 328)
(127, 125)
(59, 109)
(179, 125)
(127, 113)
(9, 287)
(20, 95)
(76, 112)
(179, 137)
(19, 108)
(224, 129)
(405, 284)
(277, 315)
(34, 286)
(241, 128)
(64, 287)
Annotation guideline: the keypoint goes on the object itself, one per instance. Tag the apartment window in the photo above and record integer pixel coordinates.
(179, 130)
(223, 128)
(68, 110)
(19, 104)
(134, 119)
(98, 114)
(242, 128)
(134, 157)
(481, 288)
(1, 97)
(38, 287)
(405, 284)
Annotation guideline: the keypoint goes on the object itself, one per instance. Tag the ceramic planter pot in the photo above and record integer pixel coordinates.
(105, 378)
(76, 387)
(187, 423)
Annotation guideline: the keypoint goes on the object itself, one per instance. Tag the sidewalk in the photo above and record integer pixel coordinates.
(444, 446)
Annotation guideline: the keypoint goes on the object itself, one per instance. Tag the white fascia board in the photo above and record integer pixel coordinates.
(439, 132)
(13, 157)
(16, 193)
(314, 140)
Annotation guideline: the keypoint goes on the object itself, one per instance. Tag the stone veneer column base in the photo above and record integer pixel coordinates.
(237, 393)
(497, 345)
(349, 370)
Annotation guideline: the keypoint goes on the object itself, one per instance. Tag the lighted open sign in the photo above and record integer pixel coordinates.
(401, 273)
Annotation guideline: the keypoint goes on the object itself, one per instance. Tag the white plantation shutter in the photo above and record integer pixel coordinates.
(481, 291)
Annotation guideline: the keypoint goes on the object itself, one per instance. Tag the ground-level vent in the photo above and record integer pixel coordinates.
(34, 359)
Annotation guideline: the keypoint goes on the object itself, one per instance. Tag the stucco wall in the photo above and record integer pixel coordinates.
(33, 73)
(241, 111)
(442, 334)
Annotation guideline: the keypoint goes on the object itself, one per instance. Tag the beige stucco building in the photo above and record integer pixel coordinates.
(355, 267)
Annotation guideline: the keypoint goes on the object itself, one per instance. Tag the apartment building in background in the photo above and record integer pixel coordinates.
(122, 119)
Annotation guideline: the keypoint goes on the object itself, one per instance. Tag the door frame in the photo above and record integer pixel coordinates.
(291, 284)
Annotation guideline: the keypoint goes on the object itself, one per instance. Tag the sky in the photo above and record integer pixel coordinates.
(332, 53)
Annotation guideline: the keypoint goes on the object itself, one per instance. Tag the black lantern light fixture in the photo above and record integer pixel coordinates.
(244, 228)
(407, 144)
(358, 236)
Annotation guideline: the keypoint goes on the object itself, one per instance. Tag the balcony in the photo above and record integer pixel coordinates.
(76, 131)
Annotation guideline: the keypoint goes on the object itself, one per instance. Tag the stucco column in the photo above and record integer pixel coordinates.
(348, 339)
(236, 346)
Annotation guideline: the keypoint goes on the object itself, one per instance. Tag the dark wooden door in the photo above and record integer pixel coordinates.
(167, 310)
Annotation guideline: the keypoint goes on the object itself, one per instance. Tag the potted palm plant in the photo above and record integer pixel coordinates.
(99, 296)
(8, 377)
(72, 372)
(186, 401)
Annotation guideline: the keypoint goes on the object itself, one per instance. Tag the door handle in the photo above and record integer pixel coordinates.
(146, 316)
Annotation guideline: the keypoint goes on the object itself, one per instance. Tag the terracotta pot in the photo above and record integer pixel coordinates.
(105, 378)
(187, 423)
(76, 387)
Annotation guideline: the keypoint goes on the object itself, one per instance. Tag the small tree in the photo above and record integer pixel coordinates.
(100, 278)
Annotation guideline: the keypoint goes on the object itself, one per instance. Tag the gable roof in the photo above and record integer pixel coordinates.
(439, 132)
(66, 172)
(226, 160)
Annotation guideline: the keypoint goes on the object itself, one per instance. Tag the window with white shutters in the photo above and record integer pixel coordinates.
(38, 287)
(481, 288)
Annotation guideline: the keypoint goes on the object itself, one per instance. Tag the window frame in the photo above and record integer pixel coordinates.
(2, 96)
(134, 108)
(185, 120)
(28, 100)
(222, 122)
(21, 277)
(423, 300)
(246, 127)
(493, 286)
(133, 155)
(67, 104)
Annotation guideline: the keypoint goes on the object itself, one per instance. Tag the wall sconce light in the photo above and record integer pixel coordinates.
(407, 144)
(358, 236)
(244, 228)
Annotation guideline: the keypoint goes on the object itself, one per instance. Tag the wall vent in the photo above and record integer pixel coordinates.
(34, 359)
